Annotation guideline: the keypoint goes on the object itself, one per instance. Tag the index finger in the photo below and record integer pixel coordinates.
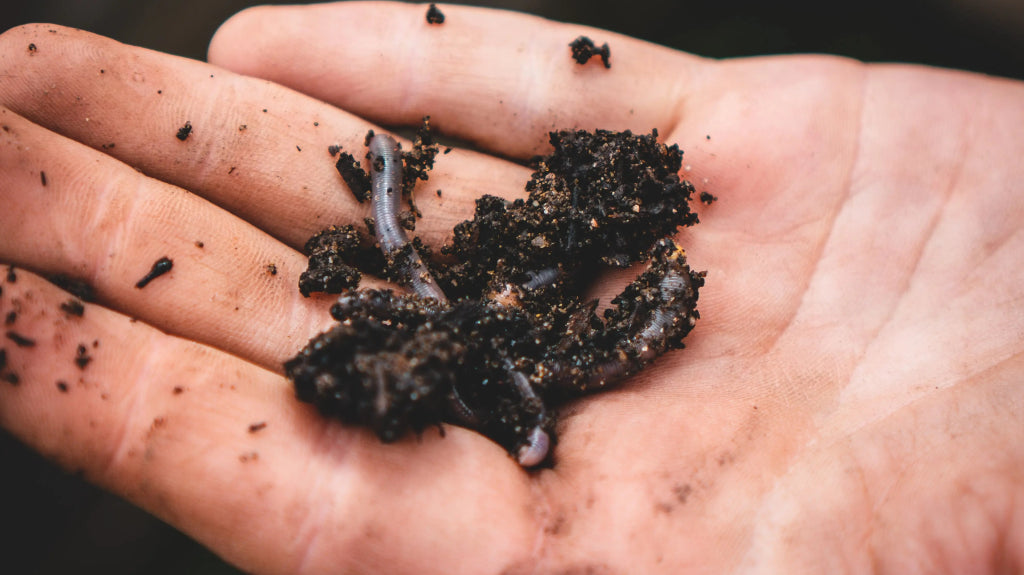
(499, 79)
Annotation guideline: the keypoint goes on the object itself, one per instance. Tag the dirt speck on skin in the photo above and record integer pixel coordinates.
(20, 340)
(272, 269)
(249, 456)
(434, 15)
(257, 426)
(583, 49)
(160, 267)
(82, 357)
(184, 131)
(12, 276)
(62, 386)
(707, 198)
(178, 390)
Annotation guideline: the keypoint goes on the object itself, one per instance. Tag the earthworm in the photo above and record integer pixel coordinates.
(674, 305)
(535, 450)
(541, 278)
(675, 284)
(386, 192)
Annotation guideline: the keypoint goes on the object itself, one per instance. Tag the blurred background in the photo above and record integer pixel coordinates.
(56, 523)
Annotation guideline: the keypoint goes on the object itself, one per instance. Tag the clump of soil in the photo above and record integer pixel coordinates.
(512, 338)
(583, 49)
(434, 15)
(160, 267)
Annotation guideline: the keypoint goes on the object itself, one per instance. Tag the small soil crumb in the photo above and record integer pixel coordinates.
(328, 251)
(82, 357)
(355, 177)
(333, 149)
(184, 131)
(11, 317)
(74, 286)
(583, 49)
(32, 47)
(199, 244)
(62, 386)
(12, 378)
(707, 198)
(3, 359)
(11, 276)
(20, 340)
(73, 307)
(272, 269)
(178, 390)
(257, 426)
(434, 16)
(42, 178)
(160, 267)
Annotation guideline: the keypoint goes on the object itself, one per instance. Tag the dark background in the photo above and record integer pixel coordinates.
(56, 523)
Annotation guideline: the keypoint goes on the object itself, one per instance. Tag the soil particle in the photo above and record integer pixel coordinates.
(32, 47)
(82, 357)
(352, 173)
(434, 16)
(12, 277)
(160, 267)
(3, 359)
(184, 131)
(707, 198)
(62, 386)
(11, 317)
(257, 426)
(20, 340)
(272, 269)
(178, 390)
(583, 48)
(12, 378)
(42, 178)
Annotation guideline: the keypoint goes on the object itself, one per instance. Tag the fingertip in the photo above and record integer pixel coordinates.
(229, 47)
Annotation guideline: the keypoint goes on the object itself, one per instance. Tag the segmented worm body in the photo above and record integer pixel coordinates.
(386, 194)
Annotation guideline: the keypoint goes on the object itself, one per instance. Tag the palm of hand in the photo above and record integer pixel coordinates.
(848, 398)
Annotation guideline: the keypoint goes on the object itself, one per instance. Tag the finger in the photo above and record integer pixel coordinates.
(221, 449)
(257, 149)
(497, 78)
(71, 210)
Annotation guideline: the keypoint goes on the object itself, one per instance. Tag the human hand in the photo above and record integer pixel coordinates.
(849, 398)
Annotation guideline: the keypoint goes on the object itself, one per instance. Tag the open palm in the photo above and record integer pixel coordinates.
(850, 399)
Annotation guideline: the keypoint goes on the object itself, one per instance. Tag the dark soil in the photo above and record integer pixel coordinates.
(515, 338)
(434, 16)
(583, 49)
(160, 267)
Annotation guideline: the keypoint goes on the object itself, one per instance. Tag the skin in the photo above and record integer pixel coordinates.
(849, 401)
